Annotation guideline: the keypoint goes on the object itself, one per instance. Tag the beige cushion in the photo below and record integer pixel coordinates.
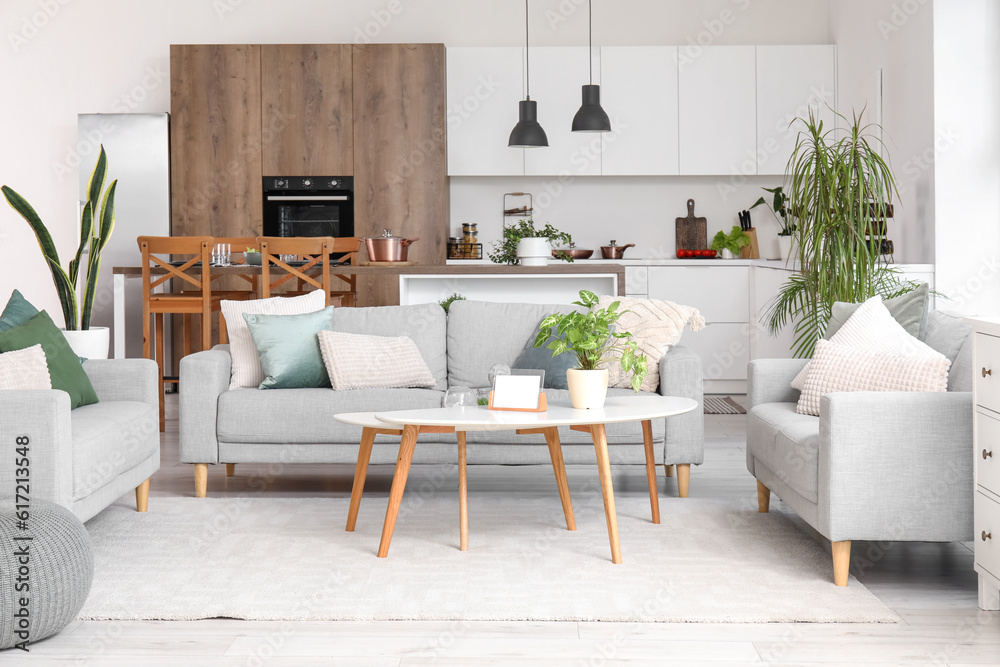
(841, 368)
(25, 369)
(872, 327)
(247, 371)
(357, 361)
(656, 326)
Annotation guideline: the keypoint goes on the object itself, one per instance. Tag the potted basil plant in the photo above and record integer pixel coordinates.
(591, 337)
(729, 245)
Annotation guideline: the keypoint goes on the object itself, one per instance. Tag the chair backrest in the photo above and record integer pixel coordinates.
(314, 250)
(158, 250)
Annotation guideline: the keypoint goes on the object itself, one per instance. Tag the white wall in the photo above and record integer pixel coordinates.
(64, 57)
(896, 37)
(967, 170)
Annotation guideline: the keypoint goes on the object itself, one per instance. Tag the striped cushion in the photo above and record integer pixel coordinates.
(357, 361)
(247, 371)
(25, 369)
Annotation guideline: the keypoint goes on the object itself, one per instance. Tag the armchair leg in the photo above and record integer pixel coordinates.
(841, 561)
(230, 469)
(683, 479)
(142, 497)
(200, 480)
(668, 470)
(763, 498)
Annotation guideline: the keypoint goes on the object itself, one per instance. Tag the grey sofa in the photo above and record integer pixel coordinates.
(887, 466)
(85, 459)
(282, 426)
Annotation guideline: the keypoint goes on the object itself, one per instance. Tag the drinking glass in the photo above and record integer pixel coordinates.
(457, 397)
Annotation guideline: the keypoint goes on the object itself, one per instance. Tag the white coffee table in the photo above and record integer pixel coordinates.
(461, 419)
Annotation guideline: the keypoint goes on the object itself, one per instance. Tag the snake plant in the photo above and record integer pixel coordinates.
(96, 225)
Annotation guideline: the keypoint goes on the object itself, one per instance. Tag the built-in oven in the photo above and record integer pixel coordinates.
(309, 206)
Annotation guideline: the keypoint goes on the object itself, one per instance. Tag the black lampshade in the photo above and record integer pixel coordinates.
(591, 117)
(528, 133)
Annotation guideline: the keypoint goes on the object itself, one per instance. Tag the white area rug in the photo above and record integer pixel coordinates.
(290, 559)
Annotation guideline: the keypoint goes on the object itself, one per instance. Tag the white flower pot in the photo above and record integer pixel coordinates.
(90, 344)
(534, 251)
(726, 254)
(587, 389)
(785, 246)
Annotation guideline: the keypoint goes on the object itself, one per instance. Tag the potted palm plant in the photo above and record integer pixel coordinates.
(841, 190)
(96, 224)
(591, 337)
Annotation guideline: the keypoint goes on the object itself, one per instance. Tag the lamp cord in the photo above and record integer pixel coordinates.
(527, 56)
(590, 28)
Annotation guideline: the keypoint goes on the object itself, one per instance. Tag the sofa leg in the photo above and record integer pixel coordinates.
(230, 469)
(200, 480)
(142, 496)
(683, 479)
(763, 498)
(668, 470)
(841, 561)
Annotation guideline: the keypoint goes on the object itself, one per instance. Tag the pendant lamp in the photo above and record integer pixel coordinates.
(527, 133)
(591, 117)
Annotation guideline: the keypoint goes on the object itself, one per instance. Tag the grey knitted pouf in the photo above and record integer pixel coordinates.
(58, 574)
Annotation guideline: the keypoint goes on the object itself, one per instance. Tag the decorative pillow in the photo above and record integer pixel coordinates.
(872, 327)
(64, 366)
(655, 326)
(909, 309)
(246, 364)
(541, 358)
(288, 348)
(17, 312)
(841, 368)
(25, 369)
(357, 361)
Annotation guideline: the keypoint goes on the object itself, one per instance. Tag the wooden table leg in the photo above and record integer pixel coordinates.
(360, 473)
(607, 490)
(406, 447)
(647, 439)
(559, 468)
(463, 487)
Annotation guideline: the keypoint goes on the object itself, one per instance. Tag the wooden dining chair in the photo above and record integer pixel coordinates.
(348, 246)
(159, 251)
(238, 245)
(314, 251)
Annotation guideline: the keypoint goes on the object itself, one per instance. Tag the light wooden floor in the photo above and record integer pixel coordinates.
(931, 586)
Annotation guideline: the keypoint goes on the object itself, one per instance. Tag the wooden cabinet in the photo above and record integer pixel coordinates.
(400, 153)
(791, 80)
(986, 454)
(639, 93)
(215, 140)
(717, 112)
(307, 126)
(485, 85)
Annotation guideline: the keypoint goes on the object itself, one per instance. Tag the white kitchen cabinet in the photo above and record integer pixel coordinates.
(717, 113)
(724, 350)
(557, 74)
(791, 80)
(639, 92)
(637, 281)
(485, 85)
(720, 293)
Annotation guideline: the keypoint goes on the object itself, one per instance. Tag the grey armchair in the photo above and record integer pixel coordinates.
(85, 459)
(893, 466)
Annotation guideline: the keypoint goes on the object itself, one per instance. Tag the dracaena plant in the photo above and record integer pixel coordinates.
(96, 224)
(592, 339)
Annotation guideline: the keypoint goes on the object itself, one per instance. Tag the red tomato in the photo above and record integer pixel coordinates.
(680, 253)
(711, 253)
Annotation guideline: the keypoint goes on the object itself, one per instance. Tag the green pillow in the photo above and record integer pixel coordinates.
(909, 309)
(17, 312)
(64, 366)
(288, 347)
(541, 358)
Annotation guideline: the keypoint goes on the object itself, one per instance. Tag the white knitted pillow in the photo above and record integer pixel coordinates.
(247, 371)
(656, 326)
(357, 361)
(841, 368)
(25, 369)
(872, 327)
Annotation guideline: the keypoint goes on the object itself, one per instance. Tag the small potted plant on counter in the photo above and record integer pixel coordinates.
(592, 339)
(524, 244)
(729, 245)
(779, 209)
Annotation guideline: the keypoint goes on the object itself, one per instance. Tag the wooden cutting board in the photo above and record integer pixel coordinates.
(692, 232)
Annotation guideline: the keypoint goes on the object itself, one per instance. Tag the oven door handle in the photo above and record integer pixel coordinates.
(307, 198)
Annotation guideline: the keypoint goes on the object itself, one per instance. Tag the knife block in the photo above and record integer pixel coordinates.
(751, 251)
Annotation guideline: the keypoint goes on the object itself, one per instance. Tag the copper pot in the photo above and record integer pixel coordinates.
(387, 248)
(615, 251)
(572, 251)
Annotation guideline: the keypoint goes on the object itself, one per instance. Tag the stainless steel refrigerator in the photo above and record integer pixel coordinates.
(138, 149)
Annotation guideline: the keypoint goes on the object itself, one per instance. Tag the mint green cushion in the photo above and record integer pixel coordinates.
(17, 312)
(909, 309)
(64, 366)
(288, 346)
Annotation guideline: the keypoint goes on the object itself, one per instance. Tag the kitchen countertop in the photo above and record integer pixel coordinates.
(762, 263)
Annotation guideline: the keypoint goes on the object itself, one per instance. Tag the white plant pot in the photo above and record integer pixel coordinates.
(90, 344)
(727, 254)
(534, 251)
(785, 246)
(587, 389)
